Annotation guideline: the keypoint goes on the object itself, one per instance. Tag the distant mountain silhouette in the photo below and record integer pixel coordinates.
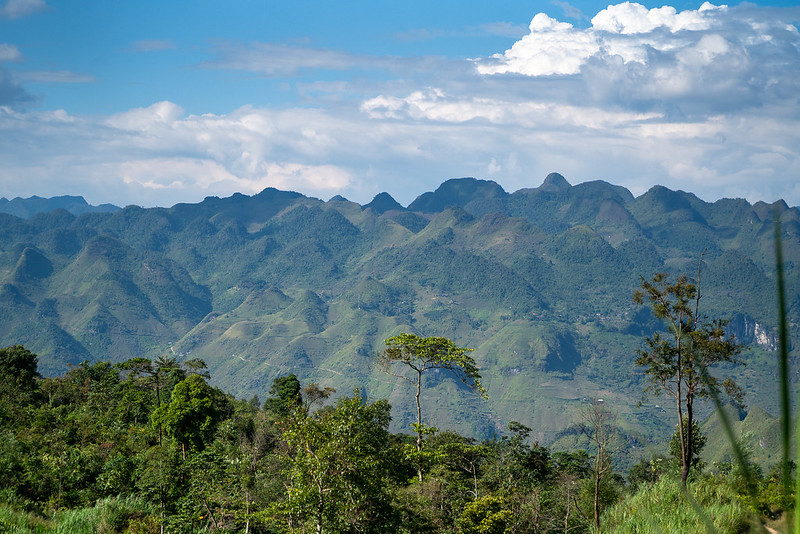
(28, 207)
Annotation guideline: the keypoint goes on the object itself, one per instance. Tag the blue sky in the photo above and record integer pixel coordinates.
(154, 103)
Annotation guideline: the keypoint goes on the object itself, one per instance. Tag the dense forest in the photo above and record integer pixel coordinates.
(149, 446)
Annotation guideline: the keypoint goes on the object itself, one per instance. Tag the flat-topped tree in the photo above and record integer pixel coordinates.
(420, 354)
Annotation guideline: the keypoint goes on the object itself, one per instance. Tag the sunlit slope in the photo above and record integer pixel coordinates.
(538, 282)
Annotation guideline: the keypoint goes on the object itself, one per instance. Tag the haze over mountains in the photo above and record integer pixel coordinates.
(538, 282)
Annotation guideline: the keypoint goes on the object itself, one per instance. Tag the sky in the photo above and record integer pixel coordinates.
(156, 103)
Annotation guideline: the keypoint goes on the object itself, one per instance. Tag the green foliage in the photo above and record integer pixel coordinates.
(664, 507)
(18, 385)
(698, 443)
(426, 354)
(191, 416)
(284, 396)
(679, 363)
(422, 354)
(337, 474)
(487, 515)
(231, 466)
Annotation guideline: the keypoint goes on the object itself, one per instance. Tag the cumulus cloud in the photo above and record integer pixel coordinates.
(714, 58)
(14, 9)
(704, 100)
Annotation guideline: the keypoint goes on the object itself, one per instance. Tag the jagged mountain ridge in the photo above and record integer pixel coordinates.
(28, 207)
(538, 281)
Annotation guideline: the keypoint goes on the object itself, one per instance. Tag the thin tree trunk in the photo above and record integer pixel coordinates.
(247, 512)
(597, 494)
(419, 425)
(210, 514)
(687, 463)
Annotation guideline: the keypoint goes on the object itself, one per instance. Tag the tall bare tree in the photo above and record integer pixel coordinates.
(679, 363)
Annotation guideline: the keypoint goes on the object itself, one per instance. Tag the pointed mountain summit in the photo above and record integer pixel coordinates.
(382, 203)
(32, 265)
(458, 192)
(554, 183)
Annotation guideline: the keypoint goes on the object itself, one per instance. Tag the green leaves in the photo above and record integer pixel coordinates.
(337, 466)
(421, 354)
(190, 417)
(678, 363)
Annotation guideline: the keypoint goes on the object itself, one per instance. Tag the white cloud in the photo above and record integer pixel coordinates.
(711, 59)
(704, 100)
(435, 105)
(145, 119)
(551, 47)
(158, 155)
(630, 18)
(14, 9)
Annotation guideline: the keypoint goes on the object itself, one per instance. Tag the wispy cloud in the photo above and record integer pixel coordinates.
(57, 76)
(570, 11)
(14, 9)
(278, 60)
(152, 45)
(9, 53)
(419, 34)
(503, 29)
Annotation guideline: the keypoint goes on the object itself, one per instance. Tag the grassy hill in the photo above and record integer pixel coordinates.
(538, 282)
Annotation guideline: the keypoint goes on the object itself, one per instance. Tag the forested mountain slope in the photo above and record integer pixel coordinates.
(538, 282)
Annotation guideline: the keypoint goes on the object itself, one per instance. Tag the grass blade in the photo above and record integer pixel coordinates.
(783, 355)
(747, 472)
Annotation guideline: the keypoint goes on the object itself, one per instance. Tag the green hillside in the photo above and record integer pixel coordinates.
(538, 282)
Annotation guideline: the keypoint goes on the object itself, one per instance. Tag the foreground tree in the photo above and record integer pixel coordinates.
(423, 354)
(18, 381)
(678, 364)
(284, 396)
(336, 479)
(191, 417)
(600, 425)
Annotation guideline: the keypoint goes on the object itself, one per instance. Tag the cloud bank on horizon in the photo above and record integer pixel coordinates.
(705, 100)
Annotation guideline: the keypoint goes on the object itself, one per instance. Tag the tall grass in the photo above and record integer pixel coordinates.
(110, 515)
(19, 522)
(113, 514)
(663, 506)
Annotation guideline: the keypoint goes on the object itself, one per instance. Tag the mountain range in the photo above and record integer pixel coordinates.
(539, 282)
